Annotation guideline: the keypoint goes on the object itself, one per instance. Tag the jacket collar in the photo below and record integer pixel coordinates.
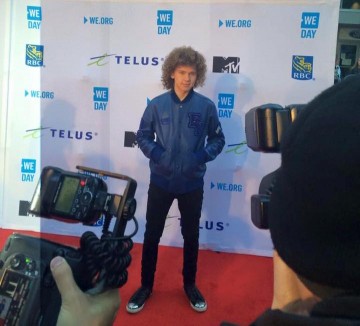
(186, 99)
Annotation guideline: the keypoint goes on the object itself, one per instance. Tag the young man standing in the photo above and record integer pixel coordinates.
(179, 132)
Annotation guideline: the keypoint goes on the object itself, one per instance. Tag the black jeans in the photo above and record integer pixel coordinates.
(158, 205)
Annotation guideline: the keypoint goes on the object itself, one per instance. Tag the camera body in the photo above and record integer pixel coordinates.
(28, 293)
(72, 196)
(264, 128)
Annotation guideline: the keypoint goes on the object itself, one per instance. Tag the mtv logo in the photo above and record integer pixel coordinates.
(23, 207)
(164, 17)
(310, 20)
(130, 139)
(28, 166)
(229, 65)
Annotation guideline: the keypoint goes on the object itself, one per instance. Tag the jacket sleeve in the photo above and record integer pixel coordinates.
(215, 137)
(145, 136)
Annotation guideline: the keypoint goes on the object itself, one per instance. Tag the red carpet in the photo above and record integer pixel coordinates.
(237, 287)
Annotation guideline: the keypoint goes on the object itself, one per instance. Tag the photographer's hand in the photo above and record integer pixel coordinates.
(79, 308)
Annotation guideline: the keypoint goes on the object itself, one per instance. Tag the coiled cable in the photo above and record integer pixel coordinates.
(106, 260)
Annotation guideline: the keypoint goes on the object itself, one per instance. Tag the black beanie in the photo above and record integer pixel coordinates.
(314, 210)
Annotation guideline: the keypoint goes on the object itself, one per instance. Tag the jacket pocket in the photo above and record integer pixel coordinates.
(191, 167)
(164, 165)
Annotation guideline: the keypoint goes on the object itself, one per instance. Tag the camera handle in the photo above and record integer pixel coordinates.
(122, 207)
(108, 258)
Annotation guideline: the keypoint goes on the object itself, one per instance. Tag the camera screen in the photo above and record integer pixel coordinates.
(67, 194)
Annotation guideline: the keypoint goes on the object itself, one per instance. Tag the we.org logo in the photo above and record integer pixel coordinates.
(229, 65)
(302, 67)
(34, 55)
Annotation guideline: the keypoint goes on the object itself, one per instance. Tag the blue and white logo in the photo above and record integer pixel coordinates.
(28, 169)
(39, 94)
(34, 55)
(164, 21)
(101, 98)
(34, 17)
(235, 23)
(225, 105)
(309, 24)
(302, 67)
(223, 186)
(99, 20)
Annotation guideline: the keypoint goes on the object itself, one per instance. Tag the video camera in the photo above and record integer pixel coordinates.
(264, 127)
(28, 293)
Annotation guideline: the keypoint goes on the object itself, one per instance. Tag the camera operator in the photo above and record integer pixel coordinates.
(79, 308)
(314, 214)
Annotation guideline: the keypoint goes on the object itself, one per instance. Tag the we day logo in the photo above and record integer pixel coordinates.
(225, 105)
(34, 17)
(309, 24)
(164, 21)
(28, 169)
(101, 98)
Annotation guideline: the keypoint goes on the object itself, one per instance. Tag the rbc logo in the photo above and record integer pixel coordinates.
(34, 17)
(34, 55)
(164, 21)
(309, 24)
(101, 98)
(225, 105)
(302, 67)
(28, 169)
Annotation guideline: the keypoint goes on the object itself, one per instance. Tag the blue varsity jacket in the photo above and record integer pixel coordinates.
(179, 137)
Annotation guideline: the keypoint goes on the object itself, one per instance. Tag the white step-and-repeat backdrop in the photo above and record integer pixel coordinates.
(76, 77)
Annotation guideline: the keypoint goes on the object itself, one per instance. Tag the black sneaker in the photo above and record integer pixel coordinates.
(137, 301)
(197, 301)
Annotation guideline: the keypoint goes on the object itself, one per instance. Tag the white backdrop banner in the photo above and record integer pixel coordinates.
(80, 74)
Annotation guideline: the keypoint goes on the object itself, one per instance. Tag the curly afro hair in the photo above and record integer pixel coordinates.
(183, 56)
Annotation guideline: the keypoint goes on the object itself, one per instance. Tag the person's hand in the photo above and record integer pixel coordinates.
(77, 307)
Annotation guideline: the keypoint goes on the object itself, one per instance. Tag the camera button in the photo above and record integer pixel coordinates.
(86, 197)
(30, 266)
(59, 252)
(17, 262)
